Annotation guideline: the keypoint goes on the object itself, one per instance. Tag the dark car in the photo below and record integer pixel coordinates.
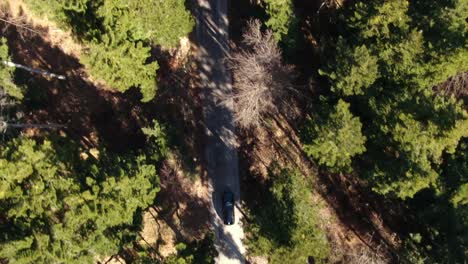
(228, 208)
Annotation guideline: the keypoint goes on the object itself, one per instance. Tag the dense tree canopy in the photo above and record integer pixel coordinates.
(57, 208)
(389, 60)
(113, 63)
(455, 176)
(388, 57)
(378, 115)
(119, 35)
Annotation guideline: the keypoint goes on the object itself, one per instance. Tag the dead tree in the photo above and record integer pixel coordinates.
(455, 86)
(261, 80)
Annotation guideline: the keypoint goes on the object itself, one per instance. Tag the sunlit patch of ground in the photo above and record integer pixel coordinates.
(51, 32)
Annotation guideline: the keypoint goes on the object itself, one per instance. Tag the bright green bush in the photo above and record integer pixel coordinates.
(281, 17)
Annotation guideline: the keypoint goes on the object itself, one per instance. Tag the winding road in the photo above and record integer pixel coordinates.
(220, 140)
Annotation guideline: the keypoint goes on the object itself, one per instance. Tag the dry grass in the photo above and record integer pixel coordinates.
(358, 255)
(157, 234)
(56, 36)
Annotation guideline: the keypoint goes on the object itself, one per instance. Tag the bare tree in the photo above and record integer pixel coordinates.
(261, 80)
(456, 85)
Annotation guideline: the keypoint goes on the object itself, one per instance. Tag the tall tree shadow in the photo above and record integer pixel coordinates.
(93, 115)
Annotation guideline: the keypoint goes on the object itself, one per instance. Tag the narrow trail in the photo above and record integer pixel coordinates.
(220, 142)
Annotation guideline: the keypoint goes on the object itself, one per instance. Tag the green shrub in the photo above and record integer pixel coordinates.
(286, 229)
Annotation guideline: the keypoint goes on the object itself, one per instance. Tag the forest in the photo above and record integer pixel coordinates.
(350, 116)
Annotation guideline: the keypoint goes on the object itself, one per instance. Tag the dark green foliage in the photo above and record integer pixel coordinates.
(281, 17)
(442, 217)
(357, 73)
(119, 34)
(6, 73)
(388, 57)
(334, 137)
(454, 179)
(389, 66)
(57, 208)
(112, 64)
(284, 24)
(286, 226)
(157, 140)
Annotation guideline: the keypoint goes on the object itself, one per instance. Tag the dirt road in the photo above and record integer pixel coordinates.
(220, 142)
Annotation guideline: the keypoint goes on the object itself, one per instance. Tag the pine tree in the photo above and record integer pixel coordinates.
(387, 67)
(358, 70)
(123, 67)
(333, 139)
(58, 208)
(120, 34)
(288, 231)
(281, 17)
(389, 56)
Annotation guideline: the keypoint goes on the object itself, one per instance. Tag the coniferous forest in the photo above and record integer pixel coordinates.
(351, 128)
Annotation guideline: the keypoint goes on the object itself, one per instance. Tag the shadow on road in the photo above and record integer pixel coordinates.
(221, 159)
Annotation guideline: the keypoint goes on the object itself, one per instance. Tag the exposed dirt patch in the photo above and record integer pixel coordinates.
(181, 212)
(157, 234)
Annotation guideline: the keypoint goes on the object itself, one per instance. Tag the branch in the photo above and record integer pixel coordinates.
(4, 126)
(42, 72)
(21, 26)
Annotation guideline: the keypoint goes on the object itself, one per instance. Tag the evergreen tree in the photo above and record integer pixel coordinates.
(443, 216)
(161, 22)
(287, 231)
(56, 208)
(334, 139)
(358, 71)
(281, 17)
(389, 56)
(123, 66)
(389, 66)
(120, 33)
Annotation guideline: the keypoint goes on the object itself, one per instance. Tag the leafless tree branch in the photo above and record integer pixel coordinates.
(23, 26)
(456, 86)
(261, 80)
